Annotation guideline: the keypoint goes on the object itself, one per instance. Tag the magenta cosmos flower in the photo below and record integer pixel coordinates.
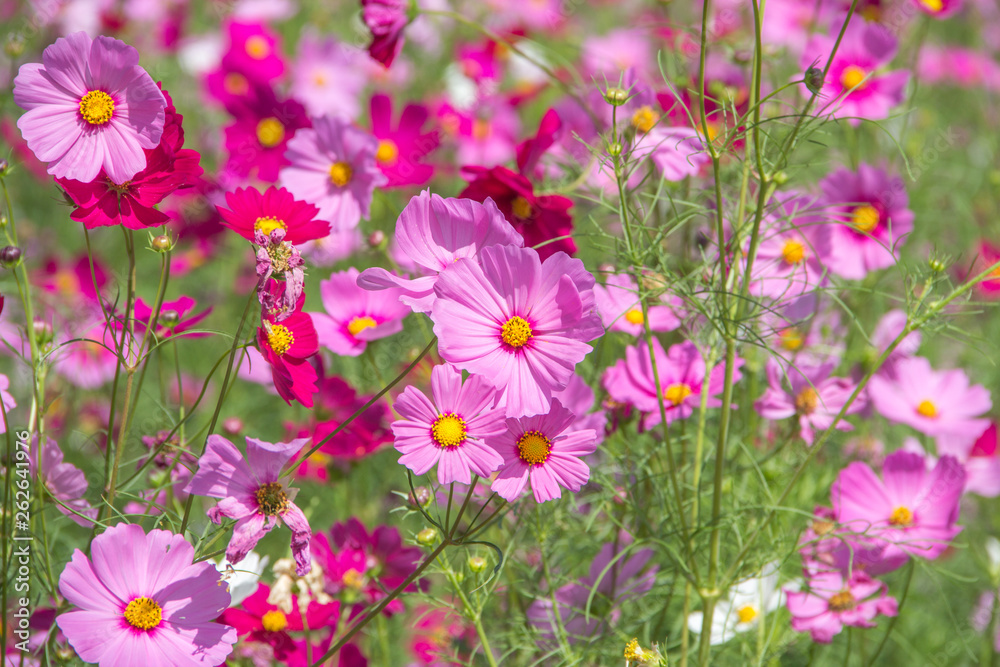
(355, 315)
(912, 510)
(940, 9)
(287, 347)
(258, 138)
(333, 167)
(402, 151)
(870, 209)
(175, 317)
(386, 19)
(853, 89)
(449, 429)
(254, 212)
(618, 303)
(933, 402)
(433, 233)
(540, 449)
(140, 598)
(517, 321)
(250, 492)
(89, 106)
(682, 376)
(833, 600)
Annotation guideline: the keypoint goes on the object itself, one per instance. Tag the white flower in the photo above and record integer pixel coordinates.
(242, 578)
(747, 602)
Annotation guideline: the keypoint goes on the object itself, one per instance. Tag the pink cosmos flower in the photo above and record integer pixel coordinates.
(518, 321)
(287, 347)
(541, 449)
(333, 167)
(682, 376)
(484, 135)
(939, 9)
(870, 209)
(89, 106)
(578, 398)
(355, 315)
(815, 398)
(258, 139)
(834, 600)
(173, 320)
(853, 89)
(8, 401)
(933, 402)
(253, 50)
(450, 430)
(386, 19)
(250, 491)
(913, 511)
(886, 331)
(434, 232)
(402, 151)
(677, 152)
(142, 595)
(328, 76)
(618, 304)
(981, 459)
(63, 481)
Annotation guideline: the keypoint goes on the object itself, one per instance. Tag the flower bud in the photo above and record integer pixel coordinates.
(10, 256)
(616, 96)
(168, 318)
(477, 564)
(14, 46)
(427, 537)
(4, 166)
(421, 496)
(937, 264)
(232, 425)
(43, 332)
(779, 178)
(615, 149)
(161, 243)
(814, 80)
(376, 238)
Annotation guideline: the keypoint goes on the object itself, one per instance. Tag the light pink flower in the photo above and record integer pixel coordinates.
(63, 481)
(355, 315)
(833, 600)
(618, 304)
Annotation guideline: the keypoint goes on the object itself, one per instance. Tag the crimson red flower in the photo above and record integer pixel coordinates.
(287, 347)
(252, 212)
(538, 219)
(386, 19)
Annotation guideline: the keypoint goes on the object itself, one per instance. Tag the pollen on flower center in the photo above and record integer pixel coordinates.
(842, 601)
(481, 129)
(97, 107)
(516, 332)
(902, 517)
(822, 527)
(806, 401)
(340, 174)
(927, 409)
(235, 83)
(634, 316)
(865, 219)
(933, 5)
(676, 393)
(143, 614)
(274, 621)
(271, 499)
(853, 77)
(257, 47)
(644, 119)
(387, 152)
(534, 448)
(522, 208)
(793, 252)
(270, 132)
(746, 614)
(448, 430)
(268, 224)
(280, 338)
(359, 324)
(353, 579)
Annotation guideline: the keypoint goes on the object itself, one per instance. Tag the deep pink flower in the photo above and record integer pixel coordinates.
(141, 595)
(541, 449)
(618, 304)
(355, 315)
(254, 212)
(988, 255)
(173, 320)
(402, 151)
(833, 600)
(449, 430)
(253, 50)
(434, 232)
(939, 9)
(89, 106)
(258, 138)
(386, 19)
(250, 491)
(933, 402)
(911, 510)
(484, 135)
(63, 481)
(287, 347)
(518, 321)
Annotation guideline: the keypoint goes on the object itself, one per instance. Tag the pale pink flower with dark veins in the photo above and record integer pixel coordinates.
(832, 600)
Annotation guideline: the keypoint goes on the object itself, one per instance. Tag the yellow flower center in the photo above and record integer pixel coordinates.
(270, 132)
(387, 152)
(871, 13)
(274, 620)
(268, 224)
(271, 499)
(516, 332)
(634, 652)
(340, 174)
(97, 107)
(235, 83)
(933, 5)
(634, 316)
(644, 119)
(319, 78)
(902, 517)
(359, 324)
(448, 430)
(353, 579)
(822, 526)
(533, 448)
(746, 614)
(521, 208)
(676, 393)
(480, 129)
(143, 614)
(806, 401)
(257, 47)
(793, 252)
(927, 409)
(865, 219)
(842, 601)
(790, 338)
(280, 338)
(853, 77)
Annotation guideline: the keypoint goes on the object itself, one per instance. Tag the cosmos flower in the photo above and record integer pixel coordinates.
(449, 430)
(355, 315)
(89, 106)
(939, 9)
(63, 481)
(328, 76)
(517, 321)
(257, 140)
(618, 303)
(287, 346)
(142, 595)
(402, 151)
(744, 606)
(253, 212)
(175, 317)
(250, 491)
(386, 19)
(833, 600)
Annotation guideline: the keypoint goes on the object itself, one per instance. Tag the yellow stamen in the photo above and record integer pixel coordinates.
(865, 219)
(793, 252)
(481, 129)
(516, 332)
(902, 517)
(257, 47)
(387, 152)
(359, 324)
(235, 83)
(676, 393)
(280, 338)
(746, 614)
(806, 401)
(933, 5)
(853, 77)
(644, 119)
(634, 316)
(143, 614)
(842, 601)
(791, 338)
(271, 499)
(274, 621)
(533, 448)
(341, 173)
(268, 225)
(927, 409)
(97, 107)
(353, 579)
(270, 132)
(448, 430)
(521, 208)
